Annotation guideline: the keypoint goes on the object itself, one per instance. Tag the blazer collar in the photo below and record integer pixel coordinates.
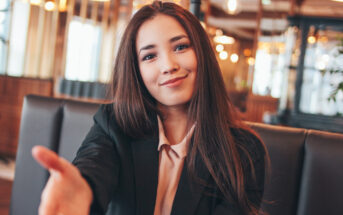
(146, 161)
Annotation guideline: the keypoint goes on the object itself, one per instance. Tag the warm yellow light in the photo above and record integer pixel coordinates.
(203, 24)
(311, 39)
(35, 2)
(224, 39)
(49, 6)
(247, 52)
(234, 58)
(211, 30)
(337, 0)
(251, 61)
(232, 6)
(219, 48)
(219, 32)
(63, 5)
(323, 39)
(138, 4)
(223, 55)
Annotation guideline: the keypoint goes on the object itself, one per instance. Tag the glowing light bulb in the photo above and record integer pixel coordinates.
(251, 61)
(247, 52)
(232, 6)
(224, 39)
(219, 48)
(49, 6)
(223, 55)
(203, 24)
(35, 2)
(219, 32)
(311, 39)
(234, 58)
(63, 5)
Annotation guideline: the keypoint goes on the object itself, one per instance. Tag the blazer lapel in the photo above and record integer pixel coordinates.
(146, 158)
(188, 193)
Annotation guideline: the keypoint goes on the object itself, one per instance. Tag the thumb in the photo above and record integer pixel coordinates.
(47, 158)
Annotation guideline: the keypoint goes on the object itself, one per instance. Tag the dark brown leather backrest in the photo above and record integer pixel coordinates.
(306, 166)
(58, 124)
(286, 149)
(321, 190)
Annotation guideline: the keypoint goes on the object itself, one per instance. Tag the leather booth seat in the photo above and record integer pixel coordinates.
(306, 165)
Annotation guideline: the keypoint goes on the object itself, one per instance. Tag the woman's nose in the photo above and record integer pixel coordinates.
(169, 64)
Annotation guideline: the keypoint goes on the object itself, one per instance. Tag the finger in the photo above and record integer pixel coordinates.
(47, 158)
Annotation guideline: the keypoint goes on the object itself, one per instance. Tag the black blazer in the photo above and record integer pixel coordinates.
(123, 173)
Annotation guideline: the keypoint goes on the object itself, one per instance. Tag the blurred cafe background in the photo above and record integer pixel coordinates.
(282, 60)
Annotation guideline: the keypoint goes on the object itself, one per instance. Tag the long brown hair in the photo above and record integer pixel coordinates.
(213, 139)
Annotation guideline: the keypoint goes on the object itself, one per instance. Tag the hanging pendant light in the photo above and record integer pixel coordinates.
(62, 6)
(35, 2)
(233, 6)
(50, 5)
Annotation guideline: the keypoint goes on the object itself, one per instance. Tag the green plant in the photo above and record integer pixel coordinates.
(337, 70)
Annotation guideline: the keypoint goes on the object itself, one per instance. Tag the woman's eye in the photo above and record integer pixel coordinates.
(148, 57)
(181, 47)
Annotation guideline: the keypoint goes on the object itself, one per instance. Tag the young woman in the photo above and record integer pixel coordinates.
(170, 143)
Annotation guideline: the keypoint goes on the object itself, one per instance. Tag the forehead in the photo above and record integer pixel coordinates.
(160, 28)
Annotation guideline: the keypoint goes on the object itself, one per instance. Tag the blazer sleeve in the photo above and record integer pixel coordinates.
(249, 144)
(98, 161)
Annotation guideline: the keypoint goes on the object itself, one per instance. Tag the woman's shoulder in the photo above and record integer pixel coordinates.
(105, 118)
(104, 112)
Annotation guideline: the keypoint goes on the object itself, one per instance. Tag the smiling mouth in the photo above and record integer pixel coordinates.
(173, 80)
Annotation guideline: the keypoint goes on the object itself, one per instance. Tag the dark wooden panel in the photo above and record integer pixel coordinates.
(12, 92)
(5, 196)
(257, 106)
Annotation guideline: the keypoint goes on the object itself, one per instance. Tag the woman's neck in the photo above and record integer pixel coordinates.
(175, 123)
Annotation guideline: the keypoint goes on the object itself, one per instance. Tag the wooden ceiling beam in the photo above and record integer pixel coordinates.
(218, 12)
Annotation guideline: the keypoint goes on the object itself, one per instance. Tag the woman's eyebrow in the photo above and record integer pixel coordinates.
(176, 38)
(146, 48)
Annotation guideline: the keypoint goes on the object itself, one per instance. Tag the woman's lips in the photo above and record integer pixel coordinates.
(174, 81)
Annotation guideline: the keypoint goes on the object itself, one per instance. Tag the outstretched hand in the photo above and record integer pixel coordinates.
(66, 191)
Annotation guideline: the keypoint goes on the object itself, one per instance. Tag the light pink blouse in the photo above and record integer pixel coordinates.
(171, 163)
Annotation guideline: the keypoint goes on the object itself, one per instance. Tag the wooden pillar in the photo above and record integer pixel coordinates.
(94, 14)
(129, 9)
(105, 31)
(70, 14)
(292, 9)
(83, 10)
(259, 15)
(52, 40)
(113, 29)
(34, 70)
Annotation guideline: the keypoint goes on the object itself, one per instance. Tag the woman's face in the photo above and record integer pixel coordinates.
(167, 61)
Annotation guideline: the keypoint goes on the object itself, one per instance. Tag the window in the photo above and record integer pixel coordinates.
(4, 31)
(19, 27)
(270, 63)
(84, 44)
(322, 55)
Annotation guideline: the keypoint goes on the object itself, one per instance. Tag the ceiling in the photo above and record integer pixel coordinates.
(244, 23)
